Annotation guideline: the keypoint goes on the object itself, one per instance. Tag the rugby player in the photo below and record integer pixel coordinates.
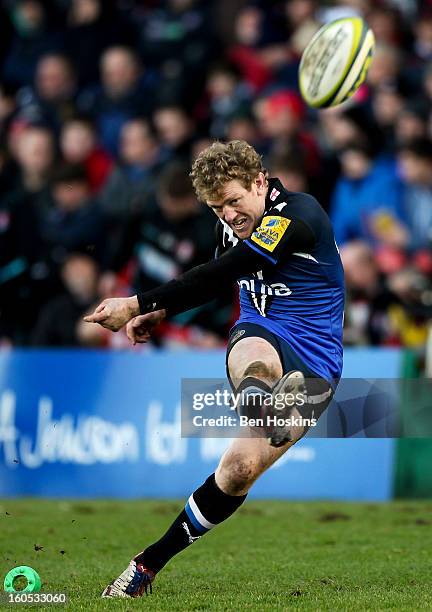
(280, 247)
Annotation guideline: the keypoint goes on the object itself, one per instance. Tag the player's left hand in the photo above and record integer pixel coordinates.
(139, 329)
(114, 313)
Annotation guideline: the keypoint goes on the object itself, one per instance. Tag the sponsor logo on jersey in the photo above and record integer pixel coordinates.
(274, 194)
(258, 287)
(270, 232)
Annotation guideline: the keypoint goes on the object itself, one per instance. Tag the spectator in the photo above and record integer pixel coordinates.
(79, 145)
(25, 279)
(228, 98)
(366, 203)
(410, 317)
(33, 37)
(280, 118)
(123, 95)
(300, 12)
(338, 128)
(93, 26)
(75, 222)
(302, 25)
(52, 99)
(26, 198)
(132, 181)
(369, 301)
(290, 171)
(423, 37)
(175, 130)
(388, 103)
(243, 127)
(57, 322)
(252, 32)
(177, 39)
(411, 122)
(386, 66)
(35, 157)
(386, 25)
(174, 232)
(415, 163)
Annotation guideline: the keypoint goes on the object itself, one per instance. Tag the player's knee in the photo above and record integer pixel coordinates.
(262, 370)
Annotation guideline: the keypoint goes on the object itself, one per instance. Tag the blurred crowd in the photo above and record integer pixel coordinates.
(104, 105)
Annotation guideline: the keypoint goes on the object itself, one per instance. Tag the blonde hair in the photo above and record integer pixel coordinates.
(223, 162)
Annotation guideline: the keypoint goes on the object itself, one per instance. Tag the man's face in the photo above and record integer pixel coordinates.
(80, 276)
(137, 146)
(54, 80)
(172, 125)
(241, 209)
(414, 170)
(119, 72)
(77, 142)
(35, 150)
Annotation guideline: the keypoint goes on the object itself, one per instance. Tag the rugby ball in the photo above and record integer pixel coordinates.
(335, 62)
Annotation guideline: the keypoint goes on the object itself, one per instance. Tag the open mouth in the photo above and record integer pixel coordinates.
(240, 224)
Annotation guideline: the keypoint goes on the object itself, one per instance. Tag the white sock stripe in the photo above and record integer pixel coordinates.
(197, 514)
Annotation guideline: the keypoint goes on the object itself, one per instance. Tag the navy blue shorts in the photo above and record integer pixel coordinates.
(290, 361)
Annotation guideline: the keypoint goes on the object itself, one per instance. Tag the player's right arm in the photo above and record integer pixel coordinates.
(193, 288)
(203, 283)
(198, 285)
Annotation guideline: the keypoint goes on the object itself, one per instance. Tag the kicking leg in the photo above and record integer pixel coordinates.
(254, 366)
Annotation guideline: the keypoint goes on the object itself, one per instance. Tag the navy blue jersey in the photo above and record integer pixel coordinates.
(299, 296)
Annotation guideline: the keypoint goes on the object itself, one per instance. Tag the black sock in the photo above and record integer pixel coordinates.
(207, 507)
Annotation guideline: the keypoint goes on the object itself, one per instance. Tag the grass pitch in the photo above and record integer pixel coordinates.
(269, 556)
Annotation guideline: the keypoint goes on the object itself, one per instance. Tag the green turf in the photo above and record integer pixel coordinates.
(269, 556)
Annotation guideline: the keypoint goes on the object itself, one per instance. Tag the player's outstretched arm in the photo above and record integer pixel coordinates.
(193, 288)
(198, 285)
(114, 313)
(205, 282)
(202, 283)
